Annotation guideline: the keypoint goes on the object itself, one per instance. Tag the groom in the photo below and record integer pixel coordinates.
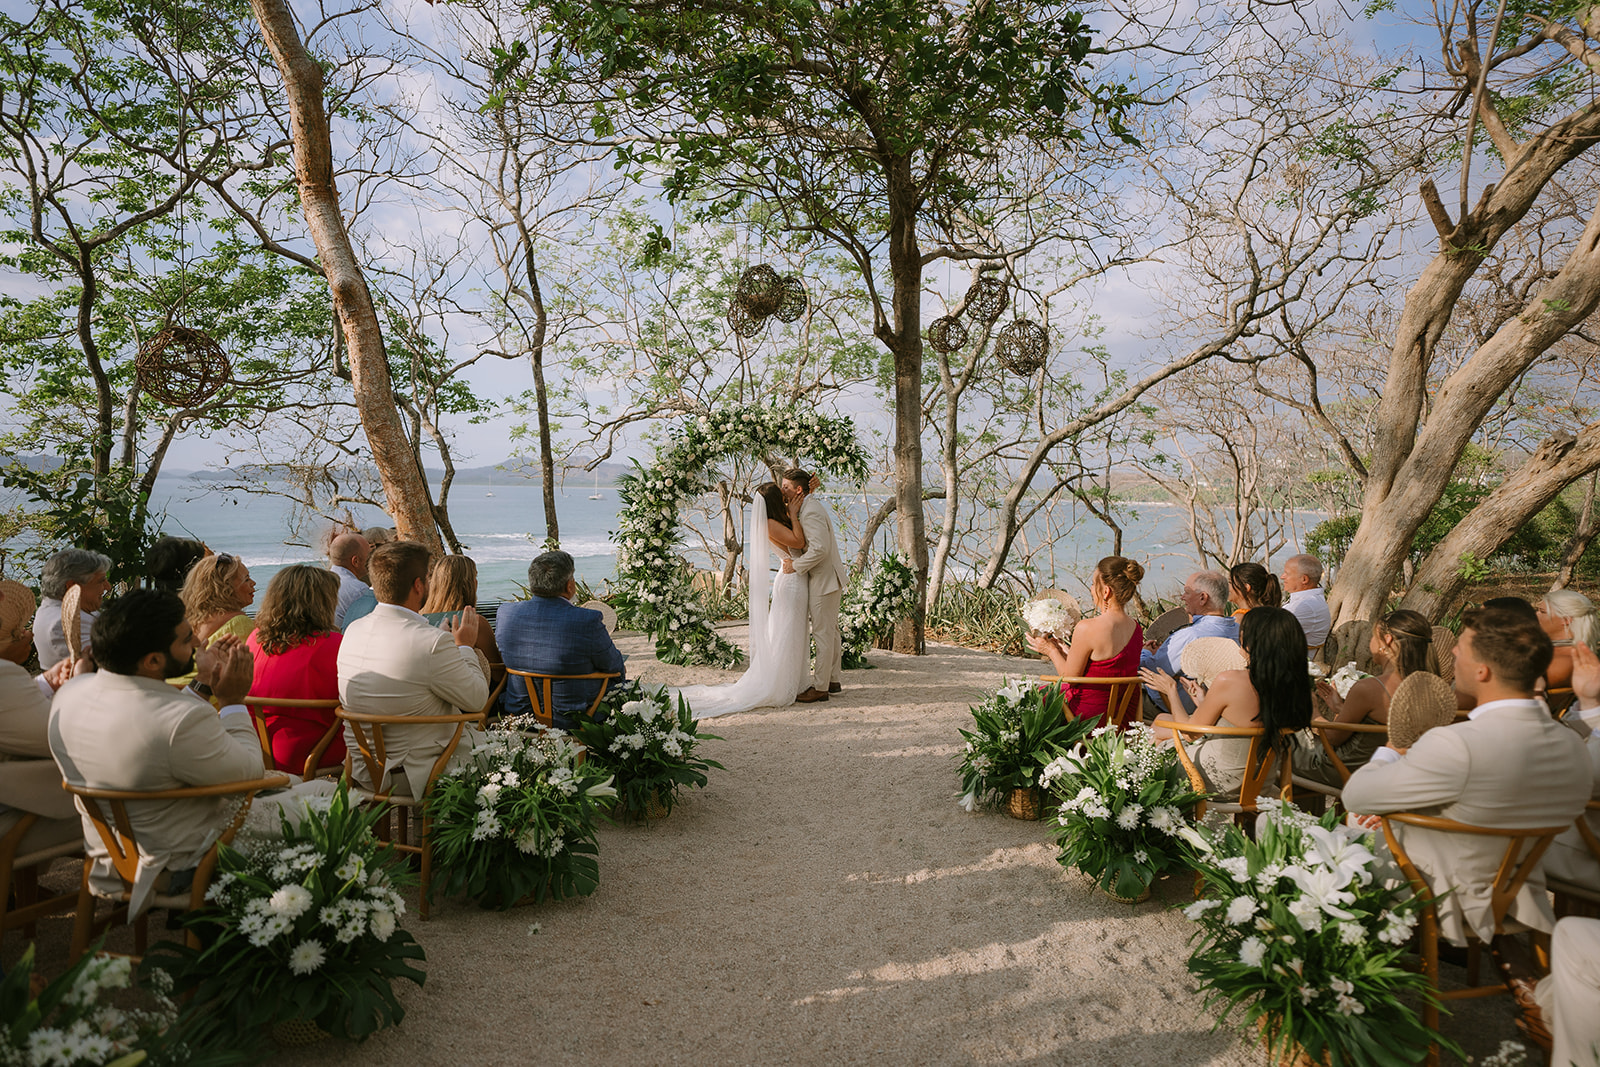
(822, 564)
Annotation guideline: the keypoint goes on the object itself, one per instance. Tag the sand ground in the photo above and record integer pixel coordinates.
(824, 900)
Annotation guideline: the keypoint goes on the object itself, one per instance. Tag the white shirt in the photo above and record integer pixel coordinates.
(49, 639)
(350, 587)
(1311, 608)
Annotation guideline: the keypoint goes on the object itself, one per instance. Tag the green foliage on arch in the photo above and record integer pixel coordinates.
(654, 593)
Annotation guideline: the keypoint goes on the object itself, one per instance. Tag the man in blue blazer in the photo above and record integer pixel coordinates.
(551, 635)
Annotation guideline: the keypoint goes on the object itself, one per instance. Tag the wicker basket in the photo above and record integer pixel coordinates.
(1140, 899)
(986, 299)
(794, 301)
(947, 334)
(182, 367)
(653, 807)
(1026, 803)
(298, 1033)
(760, 291)
(1022, 347)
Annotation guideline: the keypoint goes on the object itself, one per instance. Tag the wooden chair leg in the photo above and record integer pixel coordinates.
(26, 882)
(83, 918)
(1474, 958)
(141, 934)
(427, 868)
(1430, 971)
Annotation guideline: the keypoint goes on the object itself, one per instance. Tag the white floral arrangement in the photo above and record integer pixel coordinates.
(1049, 616)
(1346, 677)
(1306, 929)
(875, 602)
(647, 740)
(653, 585)
(1315, 669)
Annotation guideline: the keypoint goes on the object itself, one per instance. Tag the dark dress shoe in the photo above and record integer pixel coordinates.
(835, 687)
(810, 696)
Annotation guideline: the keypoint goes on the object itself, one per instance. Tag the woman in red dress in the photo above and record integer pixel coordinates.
(1104, 646)
(297, 658)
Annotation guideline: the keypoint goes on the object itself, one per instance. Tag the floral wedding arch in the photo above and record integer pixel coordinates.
(654, 587)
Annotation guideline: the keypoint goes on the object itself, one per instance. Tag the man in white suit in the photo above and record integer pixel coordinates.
(1510, 766)
(394, 662)
(124, 727)
(822, 565)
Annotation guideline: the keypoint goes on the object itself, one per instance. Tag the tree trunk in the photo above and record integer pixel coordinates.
(1582, 536)
(401, 475)
(541, 398)
(905, 342)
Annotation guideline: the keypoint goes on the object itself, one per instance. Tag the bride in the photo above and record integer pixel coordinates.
(779, 636)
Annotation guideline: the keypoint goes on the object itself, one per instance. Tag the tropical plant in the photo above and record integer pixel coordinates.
(647, 740)
(1018, 732)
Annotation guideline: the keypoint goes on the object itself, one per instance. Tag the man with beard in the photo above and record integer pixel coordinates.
(125, 727)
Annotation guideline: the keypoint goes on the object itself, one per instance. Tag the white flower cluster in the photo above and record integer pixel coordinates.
(81, 1041)
(650, 728)
(880, 597)
(1346, 677)
(1048, 616)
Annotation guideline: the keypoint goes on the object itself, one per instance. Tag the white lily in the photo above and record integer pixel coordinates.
(1324, 888)
(1340, 851)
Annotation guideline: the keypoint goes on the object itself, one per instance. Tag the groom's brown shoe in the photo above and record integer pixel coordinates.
(811, 696)
(835, 687)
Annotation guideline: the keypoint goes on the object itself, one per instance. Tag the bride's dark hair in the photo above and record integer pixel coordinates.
(776, 508)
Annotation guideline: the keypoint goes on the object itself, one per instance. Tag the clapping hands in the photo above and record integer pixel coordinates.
(1585, 675)
(464, 627)
(227, 667)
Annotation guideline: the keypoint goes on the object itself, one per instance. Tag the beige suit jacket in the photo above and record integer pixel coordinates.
(394, 662)
(1510, 766)
(1569, 857)
(118, 731)
(820, 561)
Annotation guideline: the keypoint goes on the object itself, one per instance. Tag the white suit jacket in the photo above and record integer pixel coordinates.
(1510, 766)
(1569, 857)
(394, 662)
(120, 731)
(821, 560)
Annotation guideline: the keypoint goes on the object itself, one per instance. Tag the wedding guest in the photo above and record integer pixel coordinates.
(1559, 1013)
(1302, 581)
(392, 662)
(1273, 691)
(169, 561)
(453, 585)
(1513, 604)
(1106, 645)
(30, 782)
(550, 635)
(215, 593)
(296, 653)
(124, 727)
(1250, 585)
(1401, 645)
(1483, 772)
(67, 568)
(1569, 857)
(1569, 618)
(348, 554)
(378, 535)
(1204, 595)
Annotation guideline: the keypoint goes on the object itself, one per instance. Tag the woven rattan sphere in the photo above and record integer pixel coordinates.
(947, 334)
(1022, 347)
(760, 291)
(742, 322)
(793, 304)
(182, 367)
(987, 299)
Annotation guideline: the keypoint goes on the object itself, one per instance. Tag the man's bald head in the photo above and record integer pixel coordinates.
(350, 551)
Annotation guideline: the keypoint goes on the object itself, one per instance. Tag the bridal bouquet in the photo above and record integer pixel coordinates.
(647, 741)
(1346, 677)
(518, 820)
(1049, 616)
(1124, 805)
(1016, 732)
(1302, 929)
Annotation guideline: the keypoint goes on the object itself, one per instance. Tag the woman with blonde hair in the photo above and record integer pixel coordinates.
(453, 585)
(1569, 618)
(1106, 645)
(296, 650)
(215, 593)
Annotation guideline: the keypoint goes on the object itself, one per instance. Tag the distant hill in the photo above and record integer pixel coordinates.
(504, 473)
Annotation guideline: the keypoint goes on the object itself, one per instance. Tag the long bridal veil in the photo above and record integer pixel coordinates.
(773, 674)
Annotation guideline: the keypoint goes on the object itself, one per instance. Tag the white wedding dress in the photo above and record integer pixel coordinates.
(779, 637)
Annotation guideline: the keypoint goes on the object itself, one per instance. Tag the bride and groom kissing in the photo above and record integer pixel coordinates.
(789, 523)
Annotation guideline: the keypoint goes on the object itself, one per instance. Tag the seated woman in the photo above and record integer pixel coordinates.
(1273, 691)
(1106, 645)
(1250, 585)
(1569, 618)
(453, 585)
(30, 781)
(215, 594)
(1401, 645)
(296, 650)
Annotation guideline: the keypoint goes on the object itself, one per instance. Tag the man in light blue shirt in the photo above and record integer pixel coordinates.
(1204, 597)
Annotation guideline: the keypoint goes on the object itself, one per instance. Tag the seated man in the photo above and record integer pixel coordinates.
(67, 568)
(1302, 582)
(551, 635)
(1569, 857)
(1509, 766)
(1204, 597)
(393, 662)
(124, 727)
(347, 557)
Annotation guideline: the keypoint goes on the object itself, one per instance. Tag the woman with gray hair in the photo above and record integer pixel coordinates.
(67, 568)
(1569, 618)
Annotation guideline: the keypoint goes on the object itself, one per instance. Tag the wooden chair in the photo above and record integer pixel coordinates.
(1260, 763)
(116, 833)
(313, 766)
(494, 692)
(1122, 696)
(368, 732)
(1573, 898)
(19, 871)
(541, 702)
(1524, 848)
(1560, 700)
(1321, 728)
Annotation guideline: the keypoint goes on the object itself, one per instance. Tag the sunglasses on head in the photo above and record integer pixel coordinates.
(225, 562)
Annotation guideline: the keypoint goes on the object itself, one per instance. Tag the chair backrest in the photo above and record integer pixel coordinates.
(1561, 699)
(1524, 849)
(541, 698)
(368, 731)
(1260, 762)
(1122, 695)
(1321, 728)
(256, 703)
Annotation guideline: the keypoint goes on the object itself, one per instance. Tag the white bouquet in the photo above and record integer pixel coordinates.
(1345, 677)
(1315, 669)
(1048, 616)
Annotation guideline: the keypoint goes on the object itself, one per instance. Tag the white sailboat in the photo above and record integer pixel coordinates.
(597, 494)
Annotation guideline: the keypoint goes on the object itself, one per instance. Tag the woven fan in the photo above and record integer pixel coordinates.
(72, 623)
(1206, 657)
(1420, 703)
(1168, 623)
(608, 614)
(182, 367)
(1068, 601)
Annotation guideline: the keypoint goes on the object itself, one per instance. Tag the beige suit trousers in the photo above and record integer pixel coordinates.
(824, 610)
(1567, 998)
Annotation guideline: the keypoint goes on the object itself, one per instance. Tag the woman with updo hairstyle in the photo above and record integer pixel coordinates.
(1401, 645)
(453, 585)
(296, 650)
(1250, 585)
(1106, 645)
(215, 594)
(1569, 618)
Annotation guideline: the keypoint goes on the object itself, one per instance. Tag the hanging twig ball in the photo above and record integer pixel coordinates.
(1022, 347)
(742, 322)
(182, 367)
(947, 334)
(793, 304)
(987, 299)
(760, 291)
